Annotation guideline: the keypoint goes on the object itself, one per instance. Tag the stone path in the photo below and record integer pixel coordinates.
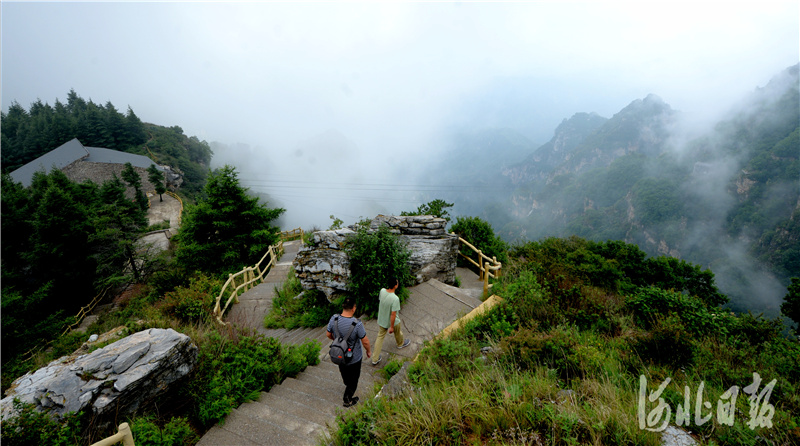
(298, 411)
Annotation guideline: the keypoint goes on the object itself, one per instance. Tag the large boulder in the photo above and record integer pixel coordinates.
(110, 382)
(325, 266)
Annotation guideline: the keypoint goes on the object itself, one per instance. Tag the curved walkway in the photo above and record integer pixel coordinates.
(299, 410)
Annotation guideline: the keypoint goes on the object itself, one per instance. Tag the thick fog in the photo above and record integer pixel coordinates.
(329, 108)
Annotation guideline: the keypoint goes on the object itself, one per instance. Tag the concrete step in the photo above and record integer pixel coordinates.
(331, 392)
(217, 436)
(284, 391)
(319, 414)
(297, 425)
(261, 431)
(294, 336)
(300, 335)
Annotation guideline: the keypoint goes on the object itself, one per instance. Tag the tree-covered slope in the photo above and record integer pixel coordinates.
(29, 134)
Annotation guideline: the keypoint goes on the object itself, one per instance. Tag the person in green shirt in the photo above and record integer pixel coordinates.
(388, 321)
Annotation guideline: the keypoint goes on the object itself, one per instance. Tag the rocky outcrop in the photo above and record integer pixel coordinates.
(324, 265)
(110, 382)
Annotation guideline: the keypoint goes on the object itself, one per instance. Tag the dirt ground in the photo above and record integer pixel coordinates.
(167, 210)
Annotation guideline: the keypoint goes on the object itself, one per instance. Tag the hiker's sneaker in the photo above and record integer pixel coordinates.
(405, 344)
(351, 402)
(378, 361)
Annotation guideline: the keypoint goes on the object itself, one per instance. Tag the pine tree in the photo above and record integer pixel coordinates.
(156, 178)
(227, 229)
(133, 179)
(117, 224)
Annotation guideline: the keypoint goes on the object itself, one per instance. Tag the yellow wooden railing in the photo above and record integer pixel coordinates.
(123, 435)
(84, 311)
(290, 235)
(487, 266)
(251, 276)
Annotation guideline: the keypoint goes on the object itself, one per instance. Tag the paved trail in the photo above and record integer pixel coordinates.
(298, 411)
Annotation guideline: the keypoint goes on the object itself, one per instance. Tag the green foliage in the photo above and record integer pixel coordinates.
(668, 342)
(616, 266)
(169, 146)
(656, 201)
(62, 243)
(292, 307)
(34, 428)
(177, 432)
(374, 258)
(391, 368)
(30, 134)
(480, 234)
(437, 208)
(231, 373)
(791, 302)
(226, 229)
(134, 180)
(649, 305)
(337, 223)
(156, 178)
(193, 303)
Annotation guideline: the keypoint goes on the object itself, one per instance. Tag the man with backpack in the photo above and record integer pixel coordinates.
(352, 330)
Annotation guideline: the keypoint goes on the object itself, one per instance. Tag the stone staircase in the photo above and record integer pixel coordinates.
(300, 410)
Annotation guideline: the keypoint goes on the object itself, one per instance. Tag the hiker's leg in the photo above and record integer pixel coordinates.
(351, 374)
(376, 351)
(398, 333)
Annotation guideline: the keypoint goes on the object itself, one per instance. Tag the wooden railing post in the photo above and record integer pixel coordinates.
(123, 435)
(480, 265)
(486, 279)
(127, 435)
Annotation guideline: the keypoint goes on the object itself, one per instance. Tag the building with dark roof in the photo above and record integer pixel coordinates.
(82, 163)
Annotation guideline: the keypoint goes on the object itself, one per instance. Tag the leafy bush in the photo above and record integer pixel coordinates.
(194, 302)
(391, 368)
(231, 373)
(374, 258)
(480, 234)
(651, 304)
(668, 342)
(177, 432)
(557, 349)
(292, 307)
(33, 428)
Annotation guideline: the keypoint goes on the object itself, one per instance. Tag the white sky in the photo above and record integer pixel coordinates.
(389, 76)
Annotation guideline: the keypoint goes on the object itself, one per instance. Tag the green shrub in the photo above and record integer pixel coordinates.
(480, 234)
(177, 432)
(650, 304)
(557, 349)
(374, 258)
(444, 359)
(32, 428)
(194, 302)
(292, 307)
(668, 343)
(391, 368)
(232, 372)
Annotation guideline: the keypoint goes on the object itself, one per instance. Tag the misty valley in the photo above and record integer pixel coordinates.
(637, 249)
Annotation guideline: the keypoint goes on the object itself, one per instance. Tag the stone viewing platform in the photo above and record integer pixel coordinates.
(324, 264)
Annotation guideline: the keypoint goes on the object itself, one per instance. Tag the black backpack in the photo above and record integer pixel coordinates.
(341, 348)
